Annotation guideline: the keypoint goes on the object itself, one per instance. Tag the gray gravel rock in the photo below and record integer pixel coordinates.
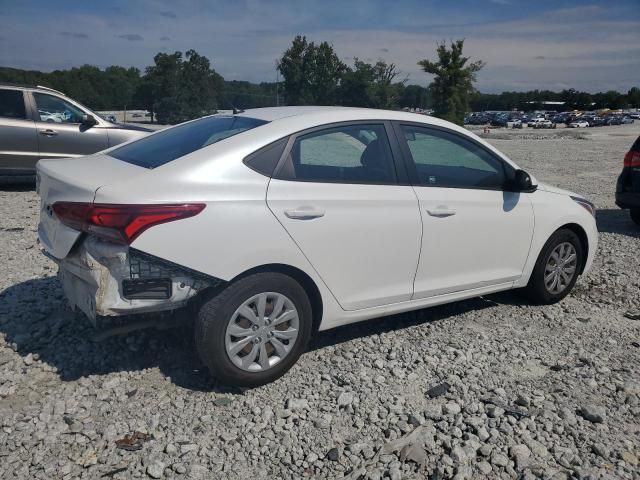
(593, 413)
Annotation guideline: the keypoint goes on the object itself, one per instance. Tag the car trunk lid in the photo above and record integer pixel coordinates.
(73, 180)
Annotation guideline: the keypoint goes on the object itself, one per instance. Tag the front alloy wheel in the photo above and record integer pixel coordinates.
(561, 268)
(557, 268)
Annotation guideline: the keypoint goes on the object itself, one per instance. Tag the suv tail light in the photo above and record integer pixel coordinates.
(120, 223)
(632, 159)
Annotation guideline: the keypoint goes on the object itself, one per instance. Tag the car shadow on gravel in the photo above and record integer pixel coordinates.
(618, 221)
(401, 321)
(39, 326)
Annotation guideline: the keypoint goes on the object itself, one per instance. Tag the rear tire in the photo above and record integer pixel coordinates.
(267, 353)
(635, 215)
(560, 259)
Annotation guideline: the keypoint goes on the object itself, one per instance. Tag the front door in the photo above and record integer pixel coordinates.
(61, 132)
(338, 197)
(475, 234)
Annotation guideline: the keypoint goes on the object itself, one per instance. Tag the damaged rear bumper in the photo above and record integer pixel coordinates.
(105, 279)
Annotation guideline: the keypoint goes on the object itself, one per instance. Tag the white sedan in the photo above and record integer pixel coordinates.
(272, 224)
(579, 124)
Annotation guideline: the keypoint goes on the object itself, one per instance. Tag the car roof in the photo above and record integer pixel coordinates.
(23, 86)
(320, 115)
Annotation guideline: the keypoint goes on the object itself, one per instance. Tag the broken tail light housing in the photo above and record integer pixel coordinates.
(120, 223)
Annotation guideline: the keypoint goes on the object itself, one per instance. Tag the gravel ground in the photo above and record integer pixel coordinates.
(486, 388)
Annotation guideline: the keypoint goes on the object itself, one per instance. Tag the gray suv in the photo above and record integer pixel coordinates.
(39, 122)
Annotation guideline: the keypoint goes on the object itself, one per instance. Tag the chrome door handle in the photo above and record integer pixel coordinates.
(49, 133)
(440, 212)
(304, 213)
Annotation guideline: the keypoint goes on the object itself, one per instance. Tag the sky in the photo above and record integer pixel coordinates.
(587, 45)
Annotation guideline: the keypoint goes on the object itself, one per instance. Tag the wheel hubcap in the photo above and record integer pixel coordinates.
(262, 332)
(560, 268)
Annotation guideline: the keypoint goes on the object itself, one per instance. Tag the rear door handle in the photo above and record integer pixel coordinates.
(440, 212)
(48, 132)
(304, 213)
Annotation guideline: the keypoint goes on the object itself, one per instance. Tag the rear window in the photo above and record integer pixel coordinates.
(12, 104)
(176, 142)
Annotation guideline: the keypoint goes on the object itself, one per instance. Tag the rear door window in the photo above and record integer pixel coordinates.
(12, 104)
(168, 145)
(344, 154)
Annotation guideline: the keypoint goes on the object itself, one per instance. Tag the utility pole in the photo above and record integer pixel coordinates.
(277, 80)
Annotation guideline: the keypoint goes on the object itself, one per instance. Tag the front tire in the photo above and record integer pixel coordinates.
(556, 269)
(253, 331)
(635, 215)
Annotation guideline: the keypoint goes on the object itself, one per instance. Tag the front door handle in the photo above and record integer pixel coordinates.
(440, 212)
(304, 213)
(48, 132)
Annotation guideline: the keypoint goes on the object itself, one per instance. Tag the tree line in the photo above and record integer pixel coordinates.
(179, 87)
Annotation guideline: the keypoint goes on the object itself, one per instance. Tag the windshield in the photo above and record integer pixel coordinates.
(168, 145)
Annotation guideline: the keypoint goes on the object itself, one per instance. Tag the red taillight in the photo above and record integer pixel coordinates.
(632, 159)
(120, 223)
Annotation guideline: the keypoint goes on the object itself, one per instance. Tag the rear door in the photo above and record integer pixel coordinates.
(342, 199)
(18, 138)
(60, 131)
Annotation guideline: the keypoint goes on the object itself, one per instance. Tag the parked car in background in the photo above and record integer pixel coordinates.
(613, 120)
(628, 185)
(541, 123)
(626, 120)
(635, 115)
(578, 124)
(595, 121)
(263, 223)
(38, 122)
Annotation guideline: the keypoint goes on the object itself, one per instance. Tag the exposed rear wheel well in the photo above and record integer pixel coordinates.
(584, 241)
(302, 278)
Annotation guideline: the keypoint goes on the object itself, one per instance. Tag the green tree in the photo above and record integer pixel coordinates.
(453, 82)
(633, 97)
(370, 86)
(413, 96)
(177, 90)
(311, 73)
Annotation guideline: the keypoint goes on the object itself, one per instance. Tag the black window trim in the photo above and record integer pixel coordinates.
(247, 159)
(508, 170)
(402, 178)
(27, 110)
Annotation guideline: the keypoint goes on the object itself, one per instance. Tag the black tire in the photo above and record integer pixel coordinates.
(635, 215)
(536, 290)
(215, 314)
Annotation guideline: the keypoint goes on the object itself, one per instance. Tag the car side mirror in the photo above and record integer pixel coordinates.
(522, 182)
(89, 120)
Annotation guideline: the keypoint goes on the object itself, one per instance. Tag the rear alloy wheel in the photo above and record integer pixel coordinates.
(262, 332)
(557, 268)
(635, 215)
(253, 331)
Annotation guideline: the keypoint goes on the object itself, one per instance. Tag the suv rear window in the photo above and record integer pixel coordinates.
(176, 142)
(12, 104)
